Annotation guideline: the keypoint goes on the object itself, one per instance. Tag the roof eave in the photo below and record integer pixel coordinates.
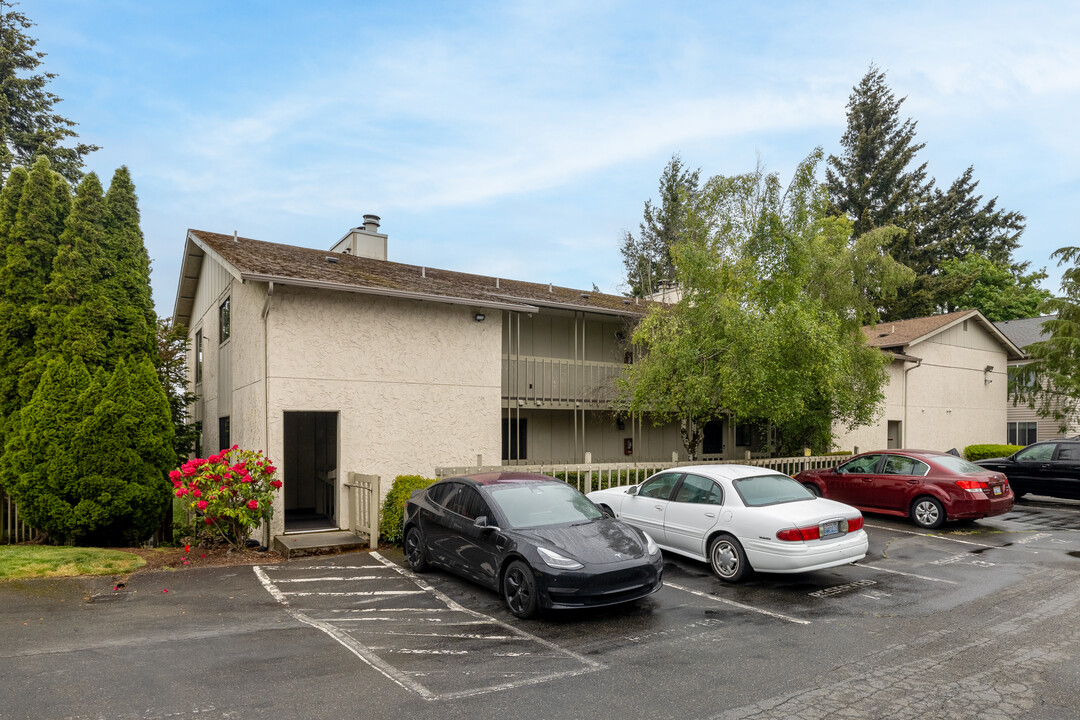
(387, 292)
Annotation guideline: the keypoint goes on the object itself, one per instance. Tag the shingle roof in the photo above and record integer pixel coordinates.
(265, 261)
(897, 336)
(1024, 331)
(904, 332)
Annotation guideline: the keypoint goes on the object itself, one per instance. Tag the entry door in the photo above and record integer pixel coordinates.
(310, 470)
(895, 439)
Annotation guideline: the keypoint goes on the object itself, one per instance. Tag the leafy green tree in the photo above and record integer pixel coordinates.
(29, 125)
(1050, 383)
(1000, 293)
(647, 257)
(128, 287)
(172, 347)
(768, 329)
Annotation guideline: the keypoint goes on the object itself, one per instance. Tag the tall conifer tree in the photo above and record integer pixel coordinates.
(128, 288)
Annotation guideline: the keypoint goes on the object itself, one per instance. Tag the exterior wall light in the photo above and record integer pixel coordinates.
(479, 317)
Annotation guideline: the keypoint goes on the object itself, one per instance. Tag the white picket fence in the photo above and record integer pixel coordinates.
(364, 500)
(587, 477)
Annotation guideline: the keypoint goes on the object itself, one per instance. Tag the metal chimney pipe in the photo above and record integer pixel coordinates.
(371, 223)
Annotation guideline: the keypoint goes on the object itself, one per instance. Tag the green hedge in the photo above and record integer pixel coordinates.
(981, 452)
(393, 507)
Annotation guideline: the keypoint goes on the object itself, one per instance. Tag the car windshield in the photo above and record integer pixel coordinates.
(959, 465)
(528, 505)
(770, 490)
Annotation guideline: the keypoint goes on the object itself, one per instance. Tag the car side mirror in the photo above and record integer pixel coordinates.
(632, 490)
(481, 523)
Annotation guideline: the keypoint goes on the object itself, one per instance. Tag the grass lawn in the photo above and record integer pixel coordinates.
(31, 561)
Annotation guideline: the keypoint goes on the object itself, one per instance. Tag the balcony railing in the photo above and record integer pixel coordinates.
(557, 382)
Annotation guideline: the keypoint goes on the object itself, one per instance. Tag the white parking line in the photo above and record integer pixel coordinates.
(339, 578)
(737, 604)
(905, 574)
(930, 535)
(334, 621)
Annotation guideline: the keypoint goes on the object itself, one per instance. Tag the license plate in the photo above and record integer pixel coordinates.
(997, 490)
(829, 528)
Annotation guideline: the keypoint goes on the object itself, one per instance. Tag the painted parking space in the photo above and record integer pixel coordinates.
(413, 634)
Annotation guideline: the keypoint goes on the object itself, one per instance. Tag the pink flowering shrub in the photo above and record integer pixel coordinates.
(232, 490)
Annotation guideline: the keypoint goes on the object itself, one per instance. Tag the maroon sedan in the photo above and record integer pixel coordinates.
(929, 487)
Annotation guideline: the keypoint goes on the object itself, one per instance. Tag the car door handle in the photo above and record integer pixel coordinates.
(912, 482)
(658, 507)
(710, 515)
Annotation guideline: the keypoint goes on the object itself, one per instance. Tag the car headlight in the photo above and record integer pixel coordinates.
(650, 545)
(555, 560)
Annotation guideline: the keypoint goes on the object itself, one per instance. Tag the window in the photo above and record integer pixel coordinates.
(1040, 452)
(900, 465)
(1068, 451)
(712, 438)
(959, 464)
(770, 490)
(659, 486)
(468, 504)
(1023, 433)
(438, 492)
(742, 435)
(861, 465)
(223, 433)
(528, 505)
(697, 489)
(198, 356)
(224, 321)
(514, 436)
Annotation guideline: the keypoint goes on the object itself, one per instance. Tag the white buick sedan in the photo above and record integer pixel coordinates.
(739, 518)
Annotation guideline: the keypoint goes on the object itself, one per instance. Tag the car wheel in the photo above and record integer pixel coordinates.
(812, 488)
(414, 550)
(607, 511)
(519, 590)
(727, 559)
(927, 513)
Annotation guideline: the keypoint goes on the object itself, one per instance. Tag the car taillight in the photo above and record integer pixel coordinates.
(854, 524)
(973, 485)
(798, 534)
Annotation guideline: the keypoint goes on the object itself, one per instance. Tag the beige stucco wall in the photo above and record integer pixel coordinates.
(416, 385)
(949, 403)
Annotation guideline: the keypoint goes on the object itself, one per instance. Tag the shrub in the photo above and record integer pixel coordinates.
(233, 490)
(836, 452)
(981, 452)
(393, 507)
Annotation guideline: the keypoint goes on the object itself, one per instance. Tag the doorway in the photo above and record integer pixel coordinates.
(895, 439)
(310, 482)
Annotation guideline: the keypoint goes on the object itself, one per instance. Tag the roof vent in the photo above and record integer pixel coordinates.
(331, 260)
(585, 295)
(371, 223)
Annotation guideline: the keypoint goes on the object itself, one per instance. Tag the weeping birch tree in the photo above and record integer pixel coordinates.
(768, 330)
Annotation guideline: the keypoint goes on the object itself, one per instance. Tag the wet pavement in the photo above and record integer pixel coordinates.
(976, 620)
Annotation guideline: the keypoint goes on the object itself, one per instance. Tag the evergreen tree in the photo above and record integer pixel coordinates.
(128, 288)
(873, 181)
(38, 467)
(29, 126)
(647, 257)
(876, 184)
(9, 203)
(27, 262)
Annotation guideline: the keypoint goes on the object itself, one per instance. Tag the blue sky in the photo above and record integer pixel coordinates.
(522, 139)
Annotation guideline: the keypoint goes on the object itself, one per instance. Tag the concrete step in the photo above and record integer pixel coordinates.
(314, 543)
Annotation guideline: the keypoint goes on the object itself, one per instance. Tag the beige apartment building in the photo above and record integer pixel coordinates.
(342, 361)
(948, 384)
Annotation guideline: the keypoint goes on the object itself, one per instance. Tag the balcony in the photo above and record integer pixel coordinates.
(558, 383)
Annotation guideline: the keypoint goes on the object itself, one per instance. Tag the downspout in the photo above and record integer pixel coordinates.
(266, 389)
(918, 362)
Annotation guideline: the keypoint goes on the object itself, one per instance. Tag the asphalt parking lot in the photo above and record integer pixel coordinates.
(977, 620)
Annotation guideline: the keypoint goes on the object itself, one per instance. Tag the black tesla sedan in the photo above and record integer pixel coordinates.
(536, 540)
